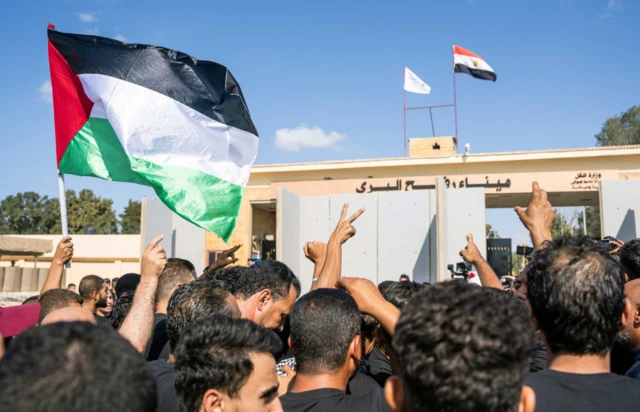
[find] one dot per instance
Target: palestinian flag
(153, 116)
(465, 61)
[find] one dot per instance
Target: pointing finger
(356, 215)
(345, 207)
(235, 248)
(155, 242)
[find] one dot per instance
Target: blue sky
(563, 67)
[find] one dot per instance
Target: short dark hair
(230, 276)
(107, 281)
(403, 276)
(193, 301)
(120, 311)
(89, 285)
(55, 299)
(399, 293)
(63, 366)
(323, 325)
(71, 284)
(127, 284)
(214, 354)
(268, 274)
(176, 271)
(30, 299)
(630, 258)
(463, 348)
(576, 292)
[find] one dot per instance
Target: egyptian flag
(153, 116)
(465, 61)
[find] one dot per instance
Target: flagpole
(455, 99)
(404, 111)
(433, 130)
(63, 210)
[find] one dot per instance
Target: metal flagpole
(433, 130)
(404, 111)
(455, 101)
(63, 210)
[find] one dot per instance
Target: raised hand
(538, 217)
(471, 253)
(154, 259)
(64, 251)
(345, 230)
(315, 251)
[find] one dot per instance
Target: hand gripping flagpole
(63, 211)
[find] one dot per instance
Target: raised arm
(332, 268)
(471, 254)
(63, 254)
(316, 252)
(370, 301)
(138, 325)
(538, 217)
(226, 258)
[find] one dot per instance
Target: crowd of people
(564, 337)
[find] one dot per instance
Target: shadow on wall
(627, 230)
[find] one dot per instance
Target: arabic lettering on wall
(411, 185)
(586, 181)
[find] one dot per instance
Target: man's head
(107, 281)
(114, 282)
(325, 333)
(266, 292)
(576, 295)
(64, 366)
(93, 289)
(227, 365)
(630, 259)
(57, 299)
(177, 272)
(404, 278)
(398, 294)
(462, 348)
(127, 285)
(120, 311)
(197, 300)
(30, 300)
(69, 314)
(71, 287)
(630, 334)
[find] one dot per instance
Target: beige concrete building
(571, 176)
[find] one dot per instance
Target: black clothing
(621, 358)
(634, 371)
(567, 392)
(538, 355)
(165, 377)
(166, 351)
(334, 400)
(159, 338)
(361, 384)
(378, 366)
(102, 321)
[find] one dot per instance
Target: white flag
(414, 84)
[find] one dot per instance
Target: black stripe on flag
(207, 87)
(478, 74)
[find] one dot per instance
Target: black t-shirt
(159, 338)
(567, 392)
(634, 370)
(165, 380)
(378, 366)
(102, 321)
(334, 400)
(538, 355)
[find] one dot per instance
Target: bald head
(629, 336)
(632, 291)
(69, 314)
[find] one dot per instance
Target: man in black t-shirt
(629, 337)
(576, 294)
(93, 292)
(177, 272)
(328, 351)
(188, 303)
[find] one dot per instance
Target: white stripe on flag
(469, 62)
(152, 126)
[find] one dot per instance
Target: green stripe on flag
(203, 199)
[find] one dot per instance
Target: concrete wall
(620, 209)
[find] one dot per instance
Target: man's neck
(305, 383)
(579, 364)
(161, 306)
(247, 309)
(90, 306)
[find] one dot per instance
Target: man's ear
(177, 286)
(628, 314)
(527, 400)
(355, 349)
(212, 401)
(264, 298)
(394, 394)
(289, 343)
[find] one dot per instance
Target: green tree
(26, 213)
(491, 233)
(593, 222)
(621, 130)
(86, 210)
(130, 218)
(564, 225)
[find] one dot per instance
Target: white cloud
(120, 37)
(87, 17)
(292, 140)
(92, 30)
(612, 7)
(45, 91)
